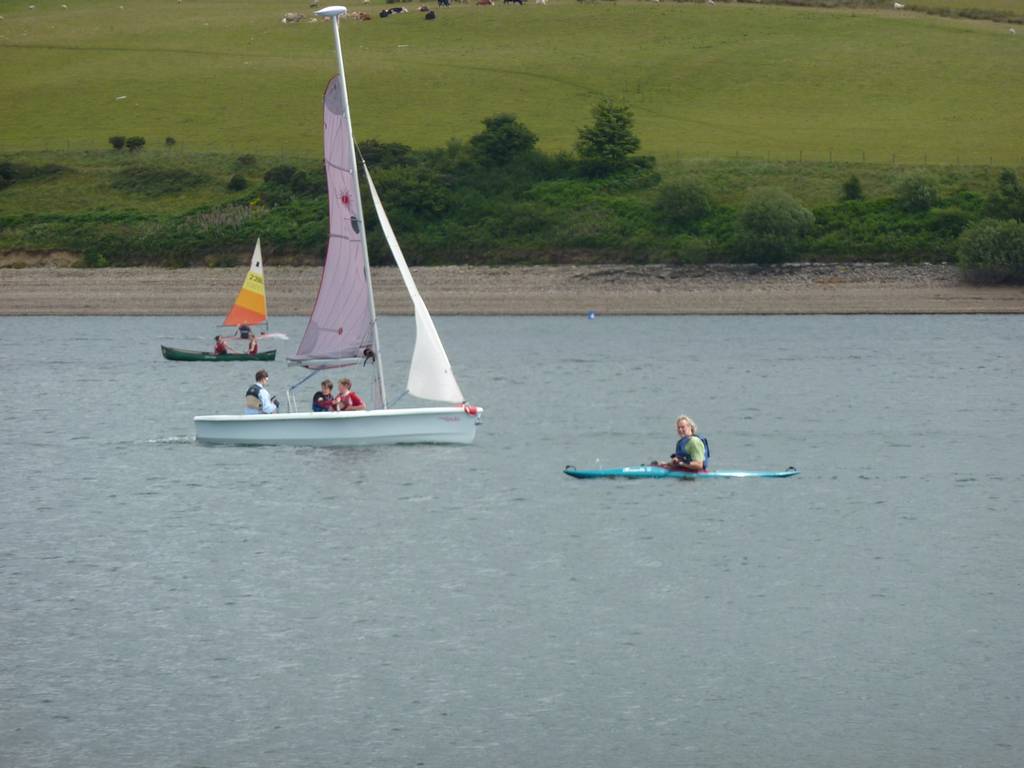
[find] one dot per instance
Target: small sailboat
(249, 309)
(342, 328)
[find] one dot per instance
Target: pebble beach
(535, 290)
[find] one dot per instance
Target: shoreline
(613, 289)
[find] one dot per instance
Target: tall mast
(334, 12)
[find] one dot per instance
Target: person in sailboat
(244, 331)
(692, 450)
(347, 400)
(254, 348)
(257, 398)
(220, 347)
(324, 399)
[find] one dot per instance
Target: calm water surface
(169, 604)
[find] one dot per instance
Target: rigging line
(392, 403)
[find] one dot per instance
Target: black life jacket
(252, 396)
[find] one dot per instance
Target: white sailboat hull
(382, 427)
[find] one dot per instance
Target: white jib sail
(430, 372)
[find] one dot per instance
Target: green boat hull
(195, 356)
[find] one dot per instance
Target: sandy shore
(613, 289)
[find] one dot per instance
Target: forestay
(341, 324)
(430, 372)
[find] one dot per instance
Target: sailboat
(342, 327)
(249, 309)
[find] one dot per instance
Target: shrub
(992, 251)
(917, 194)
(1007, 202)
(117, 142)
(275, 196)
(412, 191)
(503, 138)
(280, 174)
(93, 260)
(379, 154)
(948, 221)
(169, 141)
(302, 183)
(237, 183)
(852, 189)
(770, 225)
(134, 143)
(684, 204)
(246, 161)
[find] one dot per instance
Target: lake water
(169, 604)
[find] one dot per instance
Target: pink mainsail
(341, 324)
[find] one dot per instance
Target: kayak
(655, 472)
(194, 356)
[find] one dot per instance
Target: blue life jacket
(682, 454)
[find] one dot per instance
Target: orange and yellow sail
(251, 303)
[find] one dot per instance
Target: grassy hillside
(704, 81)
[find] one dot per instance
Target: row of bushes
(648, 221)
(12, 172)
(497, 199)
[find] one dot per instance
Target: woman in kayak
(692, 451)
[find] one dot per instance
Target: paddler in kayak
(692, 451)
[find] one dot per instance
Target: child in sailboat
(347, 400)
(324, 399)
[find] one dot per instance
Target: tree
(502, 139)
(135, 143)
(117, 142)
(605, 147)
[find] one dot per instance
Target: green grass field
(704, 81)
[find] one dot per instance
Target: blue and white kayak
(655, 472)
